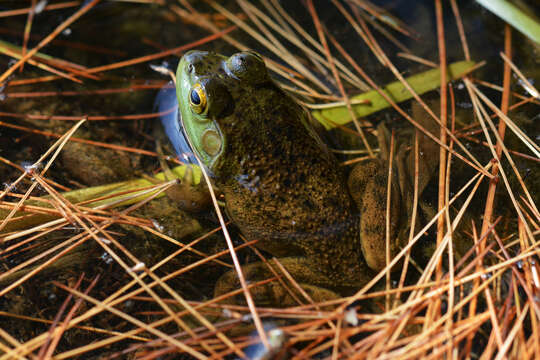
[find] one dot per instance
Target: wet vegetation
(105, 252)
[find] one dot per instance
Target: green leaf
(521, 18)
(89, 193)
(421, 83)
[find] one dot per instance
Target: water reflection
(172, 124)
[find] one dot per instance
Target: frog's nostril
(195, 60)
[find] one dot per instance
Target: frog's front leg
(189, 196)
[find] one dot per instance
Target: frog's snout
(199, 63)
(192, 59)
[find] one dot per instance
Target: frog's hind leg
(279, 292)
(368, 187)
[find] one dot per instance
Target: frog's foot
(190, 197)
(276, 293)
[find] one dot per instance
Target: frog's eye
(197, 99)
(248, 66)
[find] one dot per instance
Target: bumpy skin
(280, 183)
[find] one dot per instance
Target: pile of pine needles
(483, 304)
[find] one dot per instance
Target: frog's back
(283, 186)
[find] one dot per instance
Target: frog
(280, 183)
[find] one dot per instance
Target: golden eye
(197, 99)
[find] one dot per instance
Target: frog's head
(207, 89)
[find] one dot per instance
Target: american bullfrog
(280, 183)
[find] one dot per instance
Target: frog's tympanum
(280, 183)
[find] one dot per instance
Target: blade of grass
(421, 83)
(523, 21)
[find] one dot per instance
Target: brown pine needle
(47, 39)
(49, 7)
(330, 59)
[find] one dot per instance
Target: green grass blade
(519, 18)
(421, 83)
